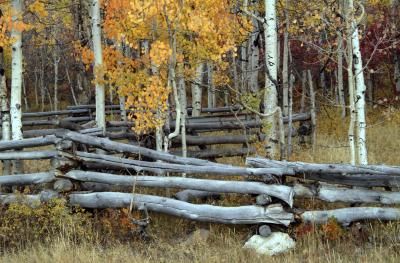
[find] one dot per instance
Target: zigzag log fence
(91, 179)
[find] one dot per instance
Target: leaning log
(204, 213)
(26, 179)
(348, 195)
(348, 215)
(282, 192)
(301, 167)
(109, 145)
(161, 168)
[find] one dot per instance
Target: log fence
(104, 180)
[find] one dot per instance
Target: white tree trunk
(211, 88)
(16, 79)
(271, 76)
(183, 104)
(197, 91)
(360, 94)
(98, 62)
(5, 111)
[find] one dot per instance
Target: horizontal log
(34, 155)
(219, 153)
(203, 213)
(224, 139)
(53, 113)
(161, 168)
(332, 194)
(302, 167)
(27, 143)
(348, 215)
(282, 192)
(27, 179)
(42, 132)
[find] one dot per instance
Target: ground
(368, 242)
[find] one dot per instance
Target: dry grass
(225, 243)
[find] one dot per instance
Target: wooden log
(109, 145)
(160, 168)
(27, 179)
(27, 143)
(42, 132)
(204, 213)
(348, 215)
(53, 113)
(301, 167)
(34, 155)
(282, 192)
(189, 195)
(332, 194)
(218, 153)
(225, 139)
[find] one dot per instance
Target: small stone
(264, 231)
(276, 243)
(263, 199)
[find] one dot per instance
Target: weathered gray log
(282, 192)
(63, 185)
(263, 200)
(348, 215)
(218, 153)
(109, 145)
(340, 194)
(34, 155)
(27, 179)
(30, 200)
(27, 143)
(189, 195)
(160, 167)
(54, 122)
(53, 113)
(301, 167)
(205, 213)
(264, 230)
(42, 132)
(225, 139)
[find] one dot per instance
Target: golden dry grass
(225, 242)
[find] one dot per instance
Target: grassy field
(376, 242)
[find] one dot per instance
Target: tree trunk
(197, 90)
(5, 109)
(98, 61)
(271, 76)
(340, 85)
(16, 79)
(285, 69)
(360, 92)
(312, 111)
(254, 57)
(211, 88)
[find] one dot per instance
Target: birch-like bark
(5, 110)
(360, 93)
(16, 79)
(211, 88)
(197, 91)
(183, 105)
(243, 68)
(98, 63)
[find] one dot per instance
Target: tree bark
(197, 91)
(273, 214)
(98, 61)
(16, 79)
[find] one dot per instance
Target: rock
(263, 200)
(276, 243)
(264, 231)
